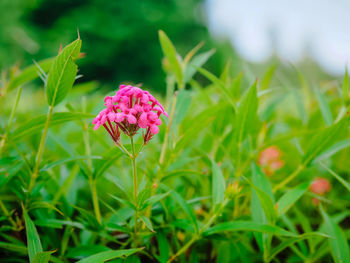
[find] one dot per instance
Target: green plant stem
(41, 150)
(166, 136)
(95, 199)
(7, 214)
(12, 115)
(289, 178)
(133, 160)
(197, 236)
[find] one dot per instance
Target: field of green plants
(245, 168)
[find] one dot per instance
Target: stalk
(133, 160)
(41, 149)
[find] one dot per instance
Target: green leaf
(218, 83)
(266, 79)
(263, 190)
(247, 226)
(338, 243)
(37, 124)
(154, 199)
(290, 241)
(62, 73)
(29, 73)
(246, 117)
(163, 246)
(324, 107)
(14, 248)
(324, 139)
(333, 150)
(218, 185)
(123, 201)
(147, 222)
(290, 198)
(108, 255)
(197, 62)
(345, 86)
(169, 52)
(42, 257)
(345, 183)
(33, 240)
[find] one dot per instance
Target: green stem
(95, 199)
(133, 160)
(41, 150)
(289, 178)
(12, 115)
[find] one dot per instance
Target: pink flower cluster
(130, 109)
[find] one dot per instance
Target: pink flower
(320, 186)
(270, 160)
(130, 109)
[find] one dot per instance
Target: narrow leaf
(290, 198)
(324, 139)
(324, 107)
(247, 226)
(338, 243)
(29, 73)
(33, 240)
(246, 117)
(218, 184)
(170, 53)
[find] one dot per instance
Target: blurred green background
(120, 37)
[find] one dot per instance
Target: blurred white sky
(291, 28)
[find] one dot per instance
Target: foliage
(203, 192)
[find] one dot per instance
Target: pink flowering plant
(242, 169)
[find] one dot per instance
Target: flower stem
(41, 150)
(133, 160)
(95, 199)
